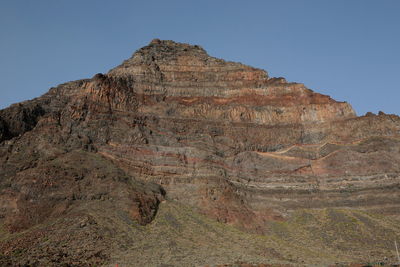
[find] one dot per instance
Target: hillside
(177, 158)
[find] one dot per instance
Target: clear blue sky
(348, 49)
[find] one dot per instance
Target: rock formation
(174, 139)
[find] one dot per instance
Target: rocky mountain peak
(189, 143)
(159, 51)
(158, 47)
(195, 84)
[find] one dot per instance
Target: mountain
(177, 158)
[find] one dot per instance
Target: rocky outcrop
(174, 123)
(19, 119)
(179, 80)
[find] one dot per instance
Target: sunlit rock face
(182, 81)
(174, 123)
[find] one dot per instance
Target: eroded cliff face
(174, 80)
(174, 123)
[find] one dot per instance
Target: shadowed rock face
(172, 122)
